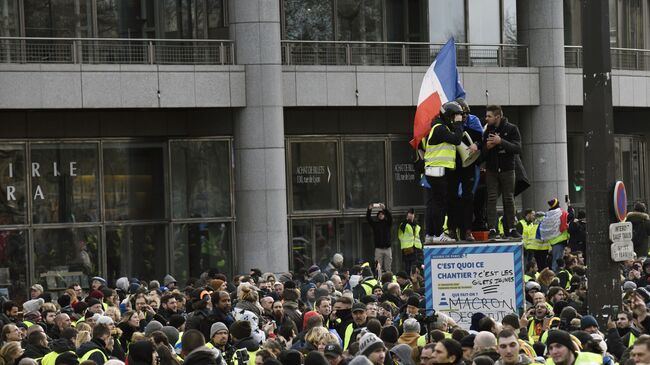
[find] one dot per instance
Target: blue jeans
(557, 252)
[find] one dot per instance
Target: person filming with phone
(381, 233)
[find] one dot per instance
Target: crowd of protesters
(323, 315)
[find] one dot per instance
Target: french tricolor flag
(439, 85)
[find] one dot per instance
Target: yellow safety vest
(631, 340)
(50, 357)
(564, 236)
(501, 230)
(368, 285)
(409, 238)
(441, 154)
(28, 323)
(529, 236)
(88, 354)
(583, 358)
(568, 281)
(251, 357)
(347, 337)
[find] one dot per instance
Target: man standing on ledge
(381, 233)
(501, 142)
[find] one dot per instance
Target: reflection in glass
(324, 241)
(193, 19)
(348, 231)
(630, 162)
(509, 22)
(136, 251)
(134, 185)
(8, 19)
(199, 247)
(407, 191)
(13, 265)
(446, 20)
(576, 164)
(65, 182)
(12, 184)
(65, 255)
(125, 19)
(58, 18)
(301, 244)
(359, 20)
(484, 27)
(572, 23)
(314, 175)
(309, 20)
(201, 179)
(364, 173)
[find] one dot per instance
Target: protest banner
(461, 280)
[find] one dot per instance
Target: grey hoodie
(403, 354)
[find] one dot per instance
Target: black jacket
(381, 229)
(33, 352)
(641, 230)
(96, 356)
(202, 356)
(201, 320)
(502, 157)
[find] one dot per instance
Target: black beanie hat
(92, 301)
(413, 301)
(290, 357)
(389, 334)
(560, 337)
(67, 358)
(512, 320)
(64, 300)
(241, 329)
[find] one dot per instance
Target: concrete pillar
(261, 187)
(540, 25)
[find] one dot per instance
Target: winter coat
(502, 157)
(97, 357)
(641, 230)
(202, 356)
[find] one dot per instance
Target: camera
(427, 319)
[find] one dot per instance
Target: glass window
(324, 240)
(314, 176)
(301, 245)
(484, 27)
(200, 179)
(364, 173)
(12, 184)
(136, 251)
(125, 19)
(64, 256)
(446, 20)
(134, 186)
(65, 182)
(309, 20)
(509, 22)
(349, 240)
(190, 19)
(572, 23)
(407, 191)
(13, 265)
(630, 162)
(58, 18)
(360, 20)
(202, 246)
(8, 18)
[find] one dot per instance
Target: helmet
(450, 109)
(463, 104)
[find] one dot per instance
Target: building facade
(141, 138)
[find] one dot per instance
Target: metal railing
(399, 53)
(116, 51)
(622, 58)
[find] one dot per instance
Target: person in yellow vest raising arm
(439, 156)
(408, 233)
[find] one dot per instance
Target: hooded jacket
(404, 353)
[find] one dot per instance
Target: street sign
(620, 231)
(622, 251)
(620, 201)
